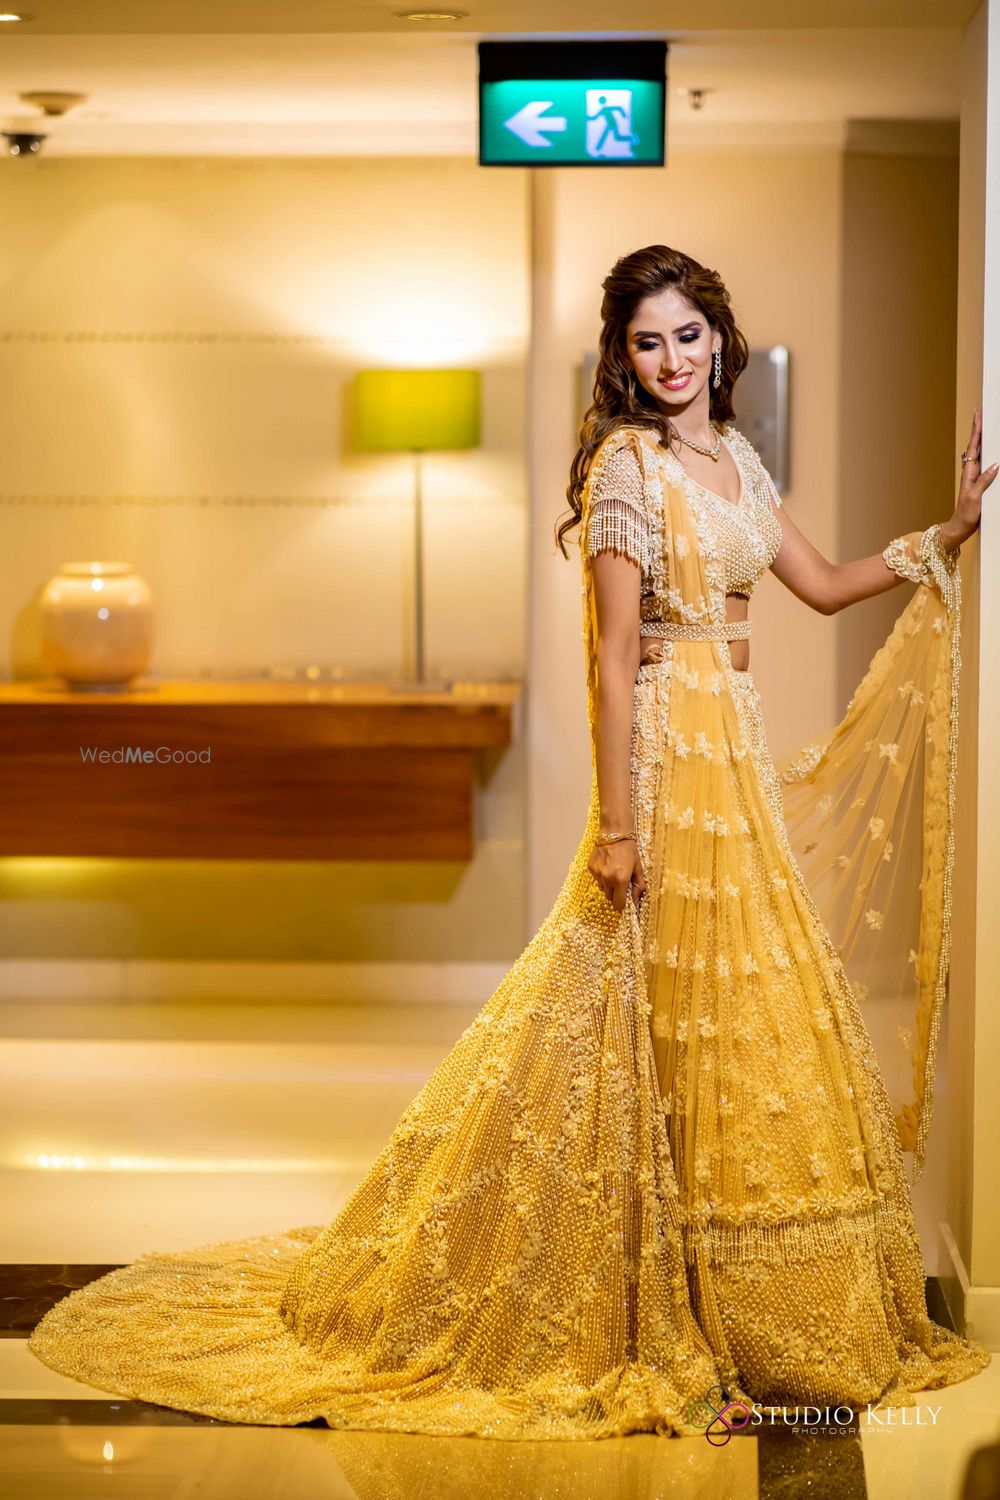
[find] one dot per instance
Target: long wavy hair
(619, 399)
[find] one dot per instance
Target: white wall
(970, 1224)
(770, 221)
(177, 338)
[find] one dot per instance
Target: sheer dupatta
(870, 817)
(869, 809)
(625, 523)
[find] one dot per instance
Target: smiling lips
(678, 383)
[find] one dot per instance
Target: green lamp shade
(416, 409)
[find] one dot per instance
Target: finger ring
(965, 459)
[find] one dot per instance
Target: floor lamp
(417, 411)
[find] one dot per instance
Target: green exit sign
(572, 103)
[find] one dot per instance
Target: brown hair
(619, 399)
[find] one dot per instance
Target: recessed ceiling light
(431, 15)
(10, 15)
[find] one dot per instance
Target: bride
(662, 1158)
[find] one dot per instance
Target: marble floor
(187, 1124)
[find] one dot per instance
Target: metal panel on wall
(761, 402)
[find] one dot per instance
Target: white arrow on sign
(527, 125)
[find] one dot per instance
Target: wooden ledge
(246, 769)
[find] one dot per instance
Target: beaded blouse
(741, 538)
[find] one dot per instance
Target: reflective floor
(180, 1134)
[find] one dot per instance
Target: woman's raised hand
(614, 867)
(975, 483)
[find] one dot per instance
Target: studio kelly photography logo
(135, 755)
(722, 1417)
(719, 1416)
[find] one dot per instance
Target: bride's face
(669, 340)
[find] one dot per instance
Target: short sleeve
(616, 520)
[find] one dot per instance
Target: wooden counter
(272, 770)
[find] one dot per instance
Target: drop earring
(717, 368)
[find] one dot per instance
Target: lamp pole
(417, 411)
(418, 549)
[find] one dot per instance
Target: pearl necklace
(708, 452)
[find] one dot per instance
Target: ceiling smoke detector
(22, 137)
(52, 104)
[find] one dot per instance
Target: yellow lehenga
(662, 1156)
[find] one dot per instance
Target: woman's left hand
(975, 483)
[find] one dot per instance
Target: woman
(662, 1156)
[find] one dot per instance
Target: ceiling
(485, 17)
(200, 86)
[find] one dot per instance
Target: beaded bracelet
(614, 838)
(914, 560)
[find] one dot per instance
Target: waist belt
(680, 630)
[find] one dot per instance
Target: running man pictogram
(613, 109)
